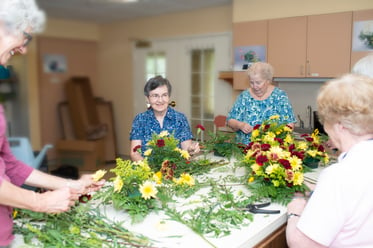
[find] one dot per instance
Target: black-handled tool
(257, 209)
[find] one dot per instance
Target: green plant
(223, 144)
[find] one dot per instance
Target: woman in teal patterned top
(259, 102)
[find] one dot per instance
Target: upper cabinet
(287, 40)
(310, 46)
(358, 16)
(252, 33)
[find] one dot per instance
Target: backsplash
(302, 94)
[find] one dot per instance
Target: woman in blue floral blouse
(259, 102)
(159, 117)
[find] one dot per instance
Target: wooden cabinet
(276, 240)
(287, 46)
(253, 33)
(362, 15)
(310, 46)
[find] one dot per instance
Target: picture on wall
(362, 37)
(54, 63)
(245, 55)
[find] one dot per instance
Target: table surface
(169, 233)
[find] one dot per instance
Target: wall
(115, 63)
(59, 29)
(244, 10)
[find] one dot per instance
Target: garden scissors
(256, 209)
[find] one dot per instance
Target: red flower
(257, 126)
(136, 148)
(285, 163)
(199, 126)
(261, 159)
(160, 143)
(265, 147)
(85, 198)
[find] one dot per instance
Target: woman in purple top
(159, 117)
(18, 19)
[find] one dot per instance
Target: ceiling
(105, 11)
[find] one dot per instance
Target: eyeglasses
(156, 96)
(28, 38)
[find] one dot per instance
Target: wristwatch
(290, 215)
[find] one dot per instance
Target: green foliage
(83, 226)
(223, 144)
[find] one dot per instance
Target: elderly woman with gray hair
(339, 213)
(19, 19)
(258, 103)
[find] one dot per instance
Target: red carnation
(265, 147)
(309, 139)
(199, 126)
(257, 126)
(160, 143)
(136, 148)
(261, 159)
(285, 163)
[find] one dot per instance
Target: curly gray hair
(19, 15)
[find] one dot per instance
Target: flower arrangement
(275, 166)
(311, 149)
(163, 149)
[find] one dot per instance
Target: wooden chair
(220, 123)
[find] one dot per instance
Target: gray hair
(19, 15)
(364, 66)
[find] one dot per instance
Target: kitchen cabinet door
(328, 44)
(253, 33)
(361, 15)
(287, 46)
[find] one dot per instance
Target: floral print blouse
(145, 124)
(248, 109)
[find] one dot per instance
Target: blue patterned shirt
(145, 124)
(252, 111)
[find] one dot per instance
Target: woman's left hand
(85, 184)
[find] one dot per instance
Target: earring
(147, 105)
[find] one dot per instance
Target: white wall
(302, 94)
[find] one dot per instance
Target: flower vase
(310, 162)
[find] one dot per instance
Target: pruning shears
(257, 209)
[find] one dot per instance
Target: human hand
(246, 128)
(194, 148)
(57, 201)
(86, 184)
(297, 205)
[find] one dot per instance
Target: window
(155, 64)
(202, 90)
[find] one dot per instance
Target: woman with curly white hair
(19, 20)
(339, 212)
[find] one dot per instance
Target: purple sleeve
(16, 170)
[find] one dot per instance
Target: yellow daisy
(148, 190)
(118, 184)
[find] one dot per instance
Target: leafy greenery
(83, 227)
(223, 144)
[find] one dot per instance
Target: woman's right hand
(56, 201)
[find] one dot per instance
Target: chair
(22, 150)
(220, 123)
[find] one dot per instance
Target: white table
(169, 233)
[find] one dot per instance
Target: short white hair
(19, 15)
(364, 66)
